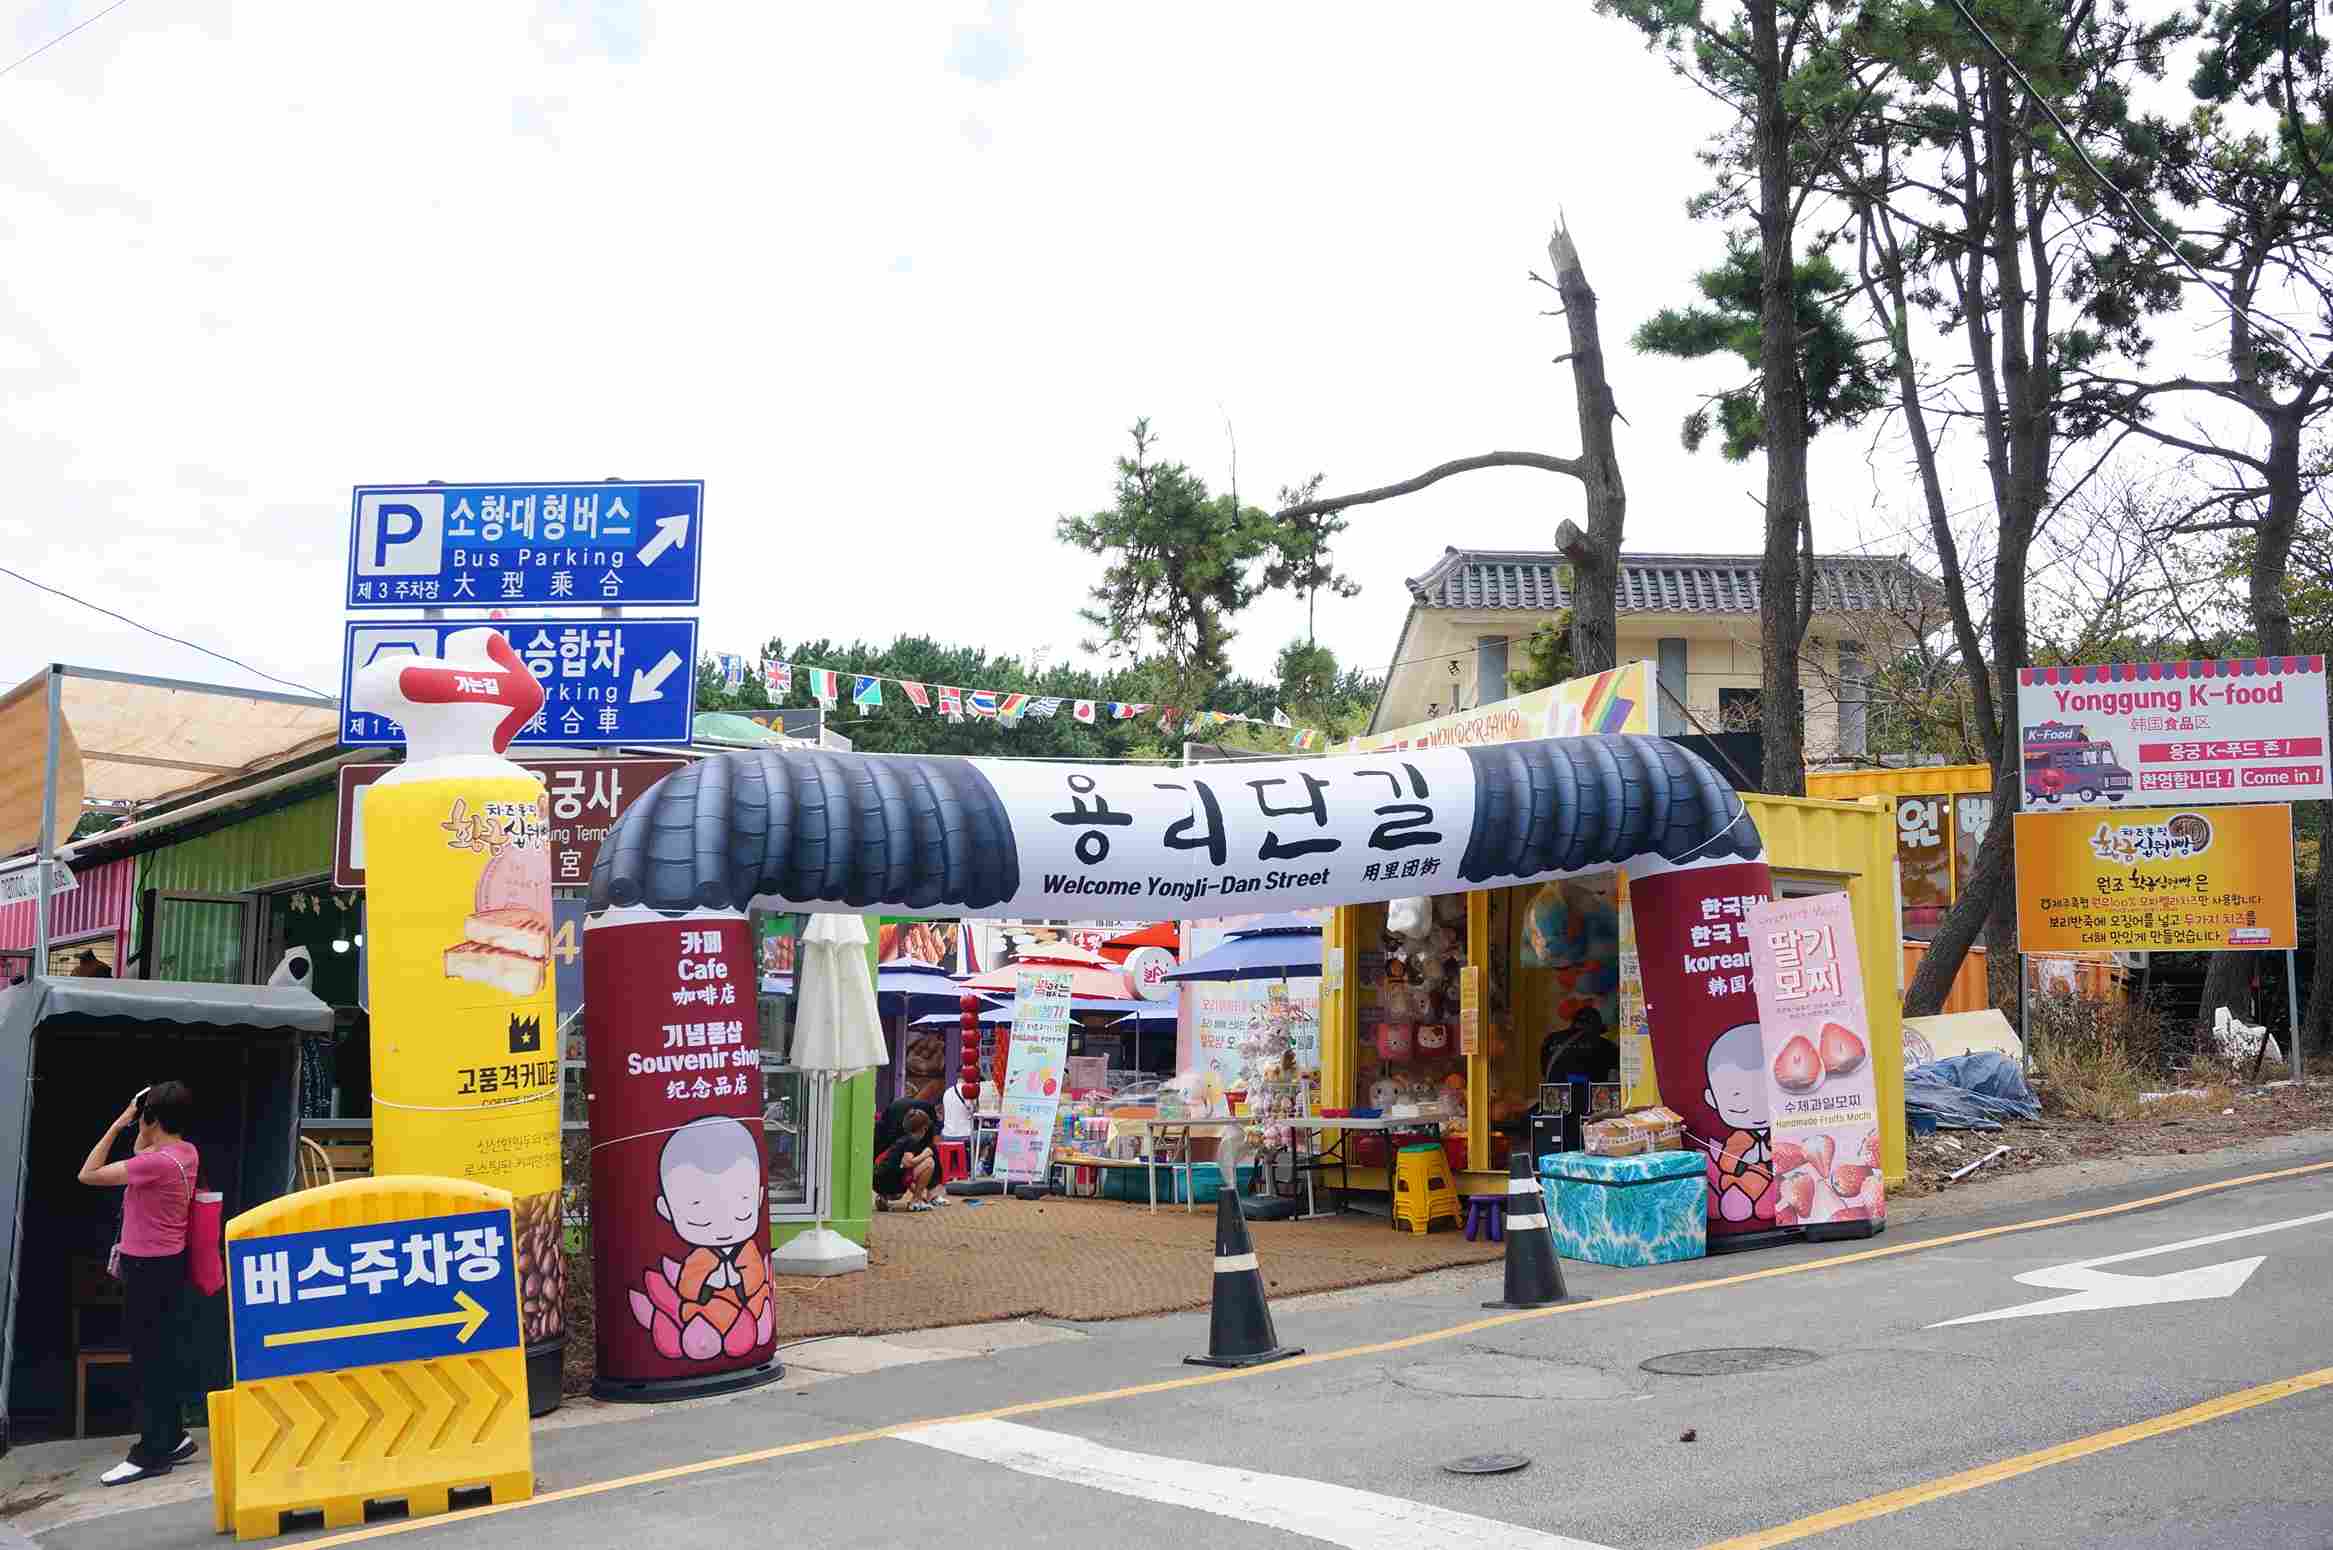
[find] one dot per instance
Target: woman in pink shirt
(158, 1180)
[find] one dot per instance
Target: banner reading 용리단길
(2163, 879)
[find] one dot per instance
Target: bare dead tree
(1593, 552)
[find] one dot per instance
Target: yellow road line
(1312, 1359)
(2026, 1463)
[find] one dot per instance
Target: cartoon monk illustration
(718, 1299)
(1741, 1179)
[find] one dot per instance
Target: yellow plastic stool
(1422, 1190)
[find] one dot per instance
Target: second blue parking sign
(604, 680)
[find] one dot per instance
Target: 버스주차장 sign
(532, 545)
(604, 680)
(2162, 879)
(587, 796)
(2248, 730)
(372, 1294)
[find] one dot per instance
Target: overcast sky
(892, 279)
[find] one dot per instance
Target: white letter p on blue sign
(400, 534)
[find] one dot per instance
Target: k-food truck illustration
(2062, 759)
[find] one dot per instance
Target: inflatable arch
(824, 832)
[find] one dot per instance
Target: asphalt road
(1107, 1439)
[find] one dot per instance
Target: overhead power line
(175, 640)
(62, 36)
(2274, 325)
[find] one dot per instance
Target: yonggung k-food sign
(2251, 729)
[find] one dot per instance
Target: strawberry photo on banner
(1821, 1089)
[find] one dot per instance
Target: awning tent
(78, 737)
(238, 1045)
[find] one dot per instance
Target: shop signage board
(2248, 730)
(584, 545)
(1619, 700)
(2164, 879)
(604, 680)
(368, 1295)
(23, 884)
(587, 796)
(1470, 1010)
(1035, 1068)
(679, 1160)
(1815, 1032)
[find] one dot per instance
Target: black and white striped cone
(1534, 1274)
(1239, 1330)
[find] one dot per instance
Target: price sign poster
(1816, 1032)
(2159, 879)
(1034, 1070)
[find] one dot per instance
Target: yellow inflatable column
(464, 1019)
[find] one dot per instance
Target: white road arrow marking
(2090, 1288)
(671, 533)
(649, 685)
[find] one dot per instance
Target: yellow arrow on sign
(467, 1312)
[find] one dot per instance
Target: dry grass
(2089, 1056)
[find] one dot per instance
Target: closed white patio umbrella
(837, 1031)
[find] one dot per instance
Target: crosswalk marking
(1333, 1514)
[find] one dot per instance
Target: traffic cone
(1239, 1329)
(1534, 1274)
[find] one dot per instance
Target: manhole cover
(1724, 1360)
(1487, 1464)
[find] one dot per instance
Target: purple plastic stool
(1489, 1213)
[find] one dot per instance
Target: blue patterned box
(1642, 1210)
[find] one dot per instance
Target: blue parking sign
(605, 681)
(526, 545)
(372, 1294)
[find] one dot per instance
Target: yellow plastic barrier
(379, 1367)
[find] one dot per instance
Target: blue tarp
(1967, 1092)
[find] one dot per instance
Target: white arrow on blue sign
(528, 545)
(604, 680)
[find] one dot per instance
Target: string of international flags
(830, 686)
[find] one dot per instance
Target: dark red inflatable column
(679, 1172)
(1695, 958)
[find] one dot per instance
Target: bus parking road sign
(527, 545)
(372, 1294)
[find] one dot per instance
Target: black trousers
(153, 1298)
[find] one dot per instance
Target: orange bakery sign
(2163, 879)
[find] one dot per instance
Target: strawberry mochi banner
(1816, 1064)
(680, 1217)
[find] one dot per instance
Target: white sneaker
(184, 1451)
(126, 1473)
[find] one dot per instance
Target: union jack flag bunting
(778, 679)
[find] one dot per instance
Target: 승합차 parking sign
(2251, 729)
